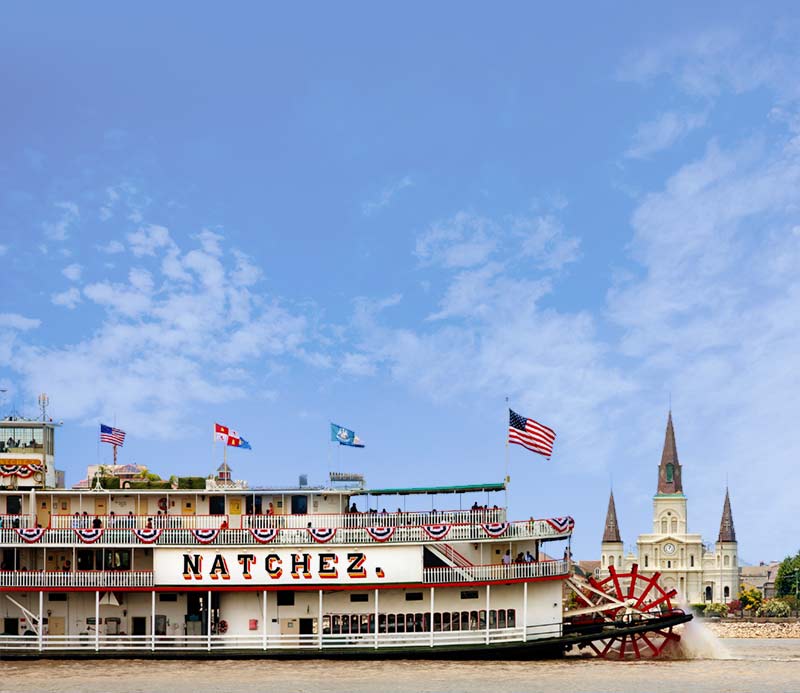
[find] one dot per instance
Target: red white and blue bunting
(147, 536)
(23, 471)
(495, 529)
(263, 536)
(561, 524)
(322, 534)
(31, 534)
(88, 536)
(436, 531)
(380, 533)
(205, 536)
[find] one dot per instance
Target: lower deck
(279, 622)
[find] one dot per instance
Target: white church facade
(699, 574)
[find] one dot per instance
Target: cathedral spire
(611, 532)
(669, 471)
(727, 532)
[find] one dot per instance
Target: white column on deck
(319, 621)
(376, 619)
(524, 612)
(208, 623)
(433, 606)
(153, 620)
(97, 620)
(488, 593)
(264, 619)
(41, 627)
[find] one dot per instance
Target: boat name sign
(311, 566)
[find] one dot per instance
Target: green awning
(421, 490)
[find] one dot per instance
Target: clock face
(669, 548)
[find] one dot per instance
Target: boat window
(391, 623)
(444, 621)
(216, 505)
(57, 596)
(465, 620)
(359, 597)
(355, 622)
(371, 627)
(382, 623)
(167, 597)
(14, 505)
(336, 626)
(501, 618)
(401, 623)
(492, 619)
(482, 620)
(469, 594)
(512, 618)
(326, 625)
(299, 505)
(473, 620)
(455, 621)
(345, 625)
(285, 598)
(413, 596)
(410, 623)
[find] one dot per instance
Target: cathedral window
(664, 526)
(645, 560)
(674, 524)
(603, 560)
(670, 473)
(691, 560)
(727, 592)
(727, 561)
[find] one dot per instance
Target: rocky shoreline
(772, 628)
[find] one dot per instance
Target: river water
(729, 665)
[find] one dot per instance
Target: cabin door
(100, 506)
(299, 505)
(55, 625)
(43, 511)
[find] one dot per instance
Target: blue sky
(395, 218)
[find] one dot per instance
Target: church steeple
(727, 532)
(611, 532)
(669, 471)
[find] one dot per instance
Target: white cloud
(59, 230)
(357, 364)
(544, 239)
(72, 272)
(148, 239)
(111, 248)
(15, 321)
(465, 240)
(164, 338)
(385, 197)
(662, 132)
(69, 298)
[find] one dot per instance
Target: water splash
(698, 642)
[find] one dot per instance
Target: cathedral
(698, 573)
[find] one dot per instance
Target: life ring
(222, 627)
(162, 504)
(38, 477)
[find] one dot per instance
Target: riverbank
(775, 628)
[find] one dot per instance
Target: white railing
(535, 529)
(91, 641)
(86, 521)
(80, 578)
(495, 573)
(20, 521)
(374, 519)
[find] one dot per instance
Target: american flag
(530, 434)
(111, 435)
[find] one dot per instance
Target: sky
(404, 220)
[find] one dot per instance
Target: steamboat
(128, 566)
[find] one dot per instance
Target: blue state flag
(344, 436)
(244, 444)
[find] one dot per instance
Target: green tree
(788, 580)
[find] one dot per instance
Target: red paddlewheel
(630, 599)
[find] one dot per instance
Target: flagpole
(506, 479)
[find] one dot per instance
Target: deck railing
(357, 520)
(532, 529)
(79, 578)
(20, 521)
(495, 573)
(99, 642)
